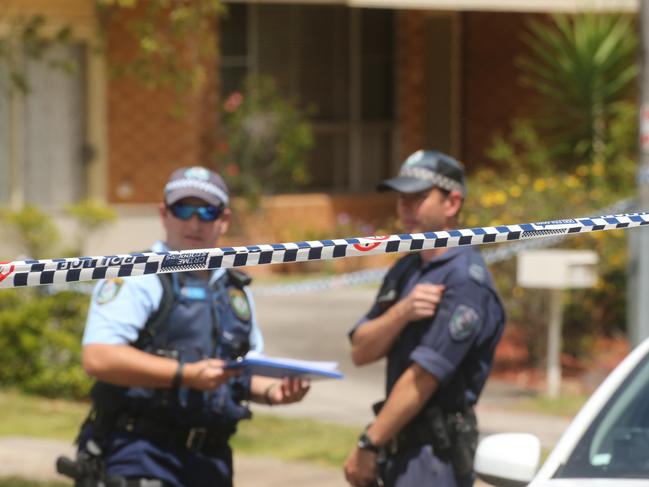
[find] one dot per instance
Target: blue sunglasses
(206, 213)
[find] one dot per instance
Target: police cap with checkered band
(424, 170)
(198, 182)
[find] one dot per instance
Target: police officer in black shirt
(437, 320)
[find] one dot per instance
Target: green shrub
(580, 67)
(533, 188)
(267, 141)
(90, 216)
(40, 336)
(33, 229)
(40, 332)
(576, 156)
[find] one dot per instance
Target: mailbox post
(556, 270)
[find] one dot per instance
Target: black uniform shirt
(457, 344)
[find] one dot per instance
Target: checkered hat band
(200, 185)
(435, 178)
(60, 271)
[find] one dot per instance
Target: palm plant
(581, 68)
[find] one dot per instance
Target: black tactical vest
(195, 320)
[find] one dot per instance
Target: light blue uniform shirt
(121, 307)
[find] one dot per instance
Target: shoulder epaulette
(239, 278)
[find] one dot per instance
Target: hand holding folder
(285, 367)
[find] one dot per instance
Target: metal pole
(638, 310)
(554, 345)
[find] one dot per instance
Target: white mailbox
(557, 269)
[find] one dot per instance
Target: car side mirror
(508, 459)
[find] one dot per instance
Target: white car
(606, 445)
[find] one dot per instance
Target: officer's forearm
(127, 366)
(260, 388)
(374, 339)
(408, 397)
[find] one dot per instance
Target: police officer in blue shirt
(437, 320)
(164, 406)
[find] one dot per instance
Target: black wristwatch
(364, 443)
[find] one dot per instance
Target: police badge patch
(240, 305)
(109, 290)
(464, 322)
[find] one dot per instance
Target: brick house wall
(146, 139)
(146, 142)
(491, 92)
(316, 216)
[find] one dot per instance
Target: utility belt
(452, 435)
(209, 441)
(88, 469)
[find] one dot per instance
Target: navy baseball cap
(197, 182)
(424, 170)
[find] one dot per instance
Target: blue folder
(281, 367)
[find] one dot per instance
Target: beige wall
(80, 14)
(81, 17)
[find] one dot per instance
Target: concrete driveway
(314, 326)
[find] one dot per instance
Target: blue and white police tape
(372, 276)
(59, 271)
(505, 252)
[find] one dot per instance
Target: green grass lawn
(285, 438)
(24, 415)
(17, 482)
(295, 439)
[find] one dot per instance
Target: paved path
(312, 326)
(33, 458)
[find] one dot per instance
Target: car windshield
(617, 443)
